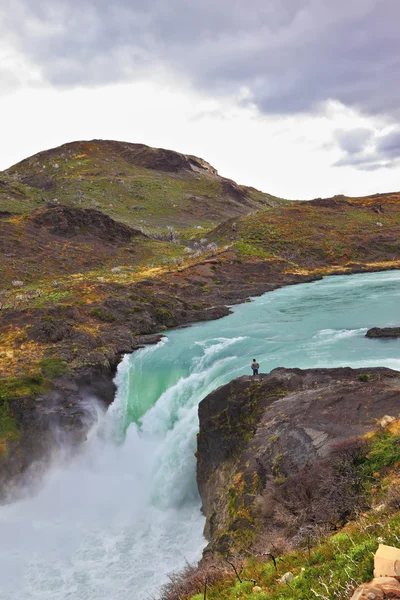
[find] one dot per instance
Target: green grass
(28, 386)
(336, 564)
(53, 298)
(384, 453)
(53, 367)
(332, 569)
(8, 423)
(17, 198)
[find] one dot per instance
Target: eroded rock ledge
(257, 434)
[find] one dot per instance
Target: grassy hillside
(320, 236)
(137, 185)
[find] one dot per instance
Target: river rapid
(114, 521)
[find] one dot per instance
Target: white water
(125, 512)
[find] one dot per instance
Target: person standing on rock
(255, 366)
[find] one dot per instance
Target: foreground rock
(269, 446)
(386, 576)
(387, 561)
(385, 332)
(380, 587)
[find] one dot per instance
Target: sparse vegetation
(27, 386)
(163, 315)
(7, 422)
(297, 233)
(326, 565)
(102, 314)
(53, 367)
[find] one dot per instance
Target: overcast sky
(300, 98)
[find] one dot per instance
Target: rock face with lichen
(274, 437)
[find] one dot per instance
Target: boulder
(384, 332)
(286, 578)
(380, 587)
(386, 420)
(387, 562)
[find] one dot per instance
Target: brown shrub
(190, 581)
(393, 497)
(272, 542)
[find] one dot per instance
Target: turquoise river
(114, 521)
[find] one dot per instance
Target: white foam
(333, 335)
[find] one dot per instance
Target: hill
(320, 236)
(132, 183)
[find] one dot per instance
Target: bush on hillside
(191, 580)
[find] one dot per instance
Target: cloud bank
(289, 57)
(368, 150)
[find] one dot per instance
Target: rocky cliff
(278, 452)
(133, 183)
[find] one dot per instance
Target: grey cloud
(366, 151)
(292, 55)
(353, 141)
(363, 163)
(389, 145)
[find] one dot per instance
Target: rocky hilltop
(277, 453)
(132, 183)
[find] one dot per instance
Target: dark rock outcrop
(159, 159)
(337, 202)
(53, 423)
(66, 221)
(258, 433)
(384, 332)
(40, 181)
